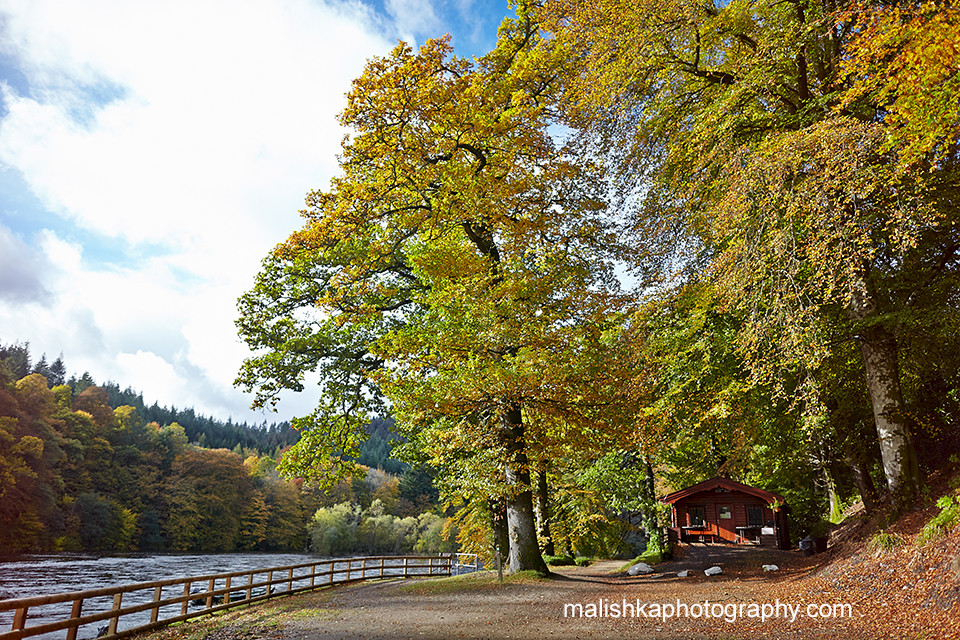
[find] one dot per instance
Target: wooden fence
(177, 599)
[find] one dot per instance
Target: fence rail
(466, 563)
(217, 592)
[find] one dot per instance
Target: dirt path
(581, 603)
(575, 603)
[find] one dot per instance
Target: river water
(36, 575)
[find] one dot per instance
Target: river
(36, 575)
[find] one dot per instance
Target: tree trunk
(543, 511)
(498, 521)
(650, 520)
(524, 552)
(868, 493)
(882, 371)
(833, 498)
(851, 444)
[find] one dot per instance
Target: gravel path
(532, 609)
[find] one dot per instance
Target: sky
(153, 152)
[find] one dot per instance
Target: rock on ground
(640, 568)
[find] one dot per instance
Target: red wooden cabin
(719, 509)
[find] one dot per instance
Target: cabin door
(725, 521)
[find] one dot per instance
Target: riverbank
(576, 602)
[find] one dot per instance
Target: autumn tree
(459, 268)
(15, 360)
(905, 56)
(77, 474)
(744, 159)
(19, 457)
(209, 500)
(29, 508)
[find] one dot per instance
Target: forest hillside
(90, 467)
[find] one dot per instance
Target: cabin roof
(713, 483)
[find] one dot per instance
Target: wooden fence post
(117, 601)
(74, 614)
(186, 602)
(20, 619)
(155, 612)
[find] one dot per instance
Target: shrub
(651, 556)
(344, 529)
(431, 538)
(944, 522)
(380, 534)
(558, 561)
(883, 542)
(333, 530)
(583, 561)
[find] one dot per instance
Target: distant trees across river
(87, 467)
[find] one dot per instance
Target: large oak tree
(457, 270)
(739, 135)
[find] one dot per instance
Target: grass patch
(882, 543)
(651, 557)
(479, 581)
(204, 626)
(255, 620)
(312, 614)
(944, 522)
(194, 632)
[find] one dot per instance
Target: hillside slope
(901, 577)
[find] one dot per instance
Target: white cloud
(147, 370)
(223, 104)
(414, 18)
(222, 116)
(142, 328)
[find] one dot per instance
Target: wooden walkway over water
(150, 605)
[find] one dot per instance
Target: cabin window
(697, 515)
(726, 513)
(754, 516)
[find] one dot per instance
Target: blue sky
(152, 152)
